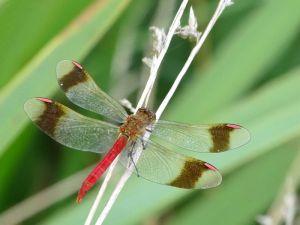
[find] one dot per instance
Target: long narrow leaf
(84, 32)
(244, 194)
(267, 132)
(242, 59)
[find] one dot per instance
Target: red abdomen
(102, 166)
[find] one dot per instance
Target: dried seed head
(147, 61)
(189, 31)
(159, 37)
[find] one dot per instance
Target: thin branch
(163, 15)
(118, 188)
(221, 6)
(157, 60)
(124, 102)
(143, 101)
(155, 63)
(126, 44)
(101, 192)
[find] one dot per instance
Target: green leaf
(242, 59)
(73, 43)
(267, 132)
(238, 65)
(250, 51)
(25, 33)
(243, 196)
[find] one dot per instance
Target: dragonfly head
(146, 115)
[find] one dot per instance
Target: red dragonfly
(159, 162)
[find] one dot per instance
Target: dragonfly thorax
(136, 124)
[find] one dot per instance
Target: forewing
(160, 165)
(200, 138)
(70, 128)
(81, 89)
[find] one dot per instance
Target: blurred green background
(248, 73)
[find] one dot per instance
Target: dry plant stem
(153, 71)
(221, 6)
(163, 15)
(101, 192)
(143, 101)
(118, 188)
(146, 93)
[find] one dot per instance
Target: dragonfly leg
(149, 130)
(130, 153)
(143, 144)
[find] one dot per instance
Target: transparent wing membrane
(81, 89)
(160, 165)
(70, 128)
(200, 138)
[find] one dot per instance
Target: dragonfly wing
(81, 89)
(200, 138)
(160, 165)
(70, 128)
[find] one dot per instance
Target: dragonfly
(162, 159)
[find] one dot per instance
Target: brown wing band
(47, 121)
(190, 174)
(75, 76)
(220, 135)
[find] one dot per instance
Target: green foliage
(251, 76)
